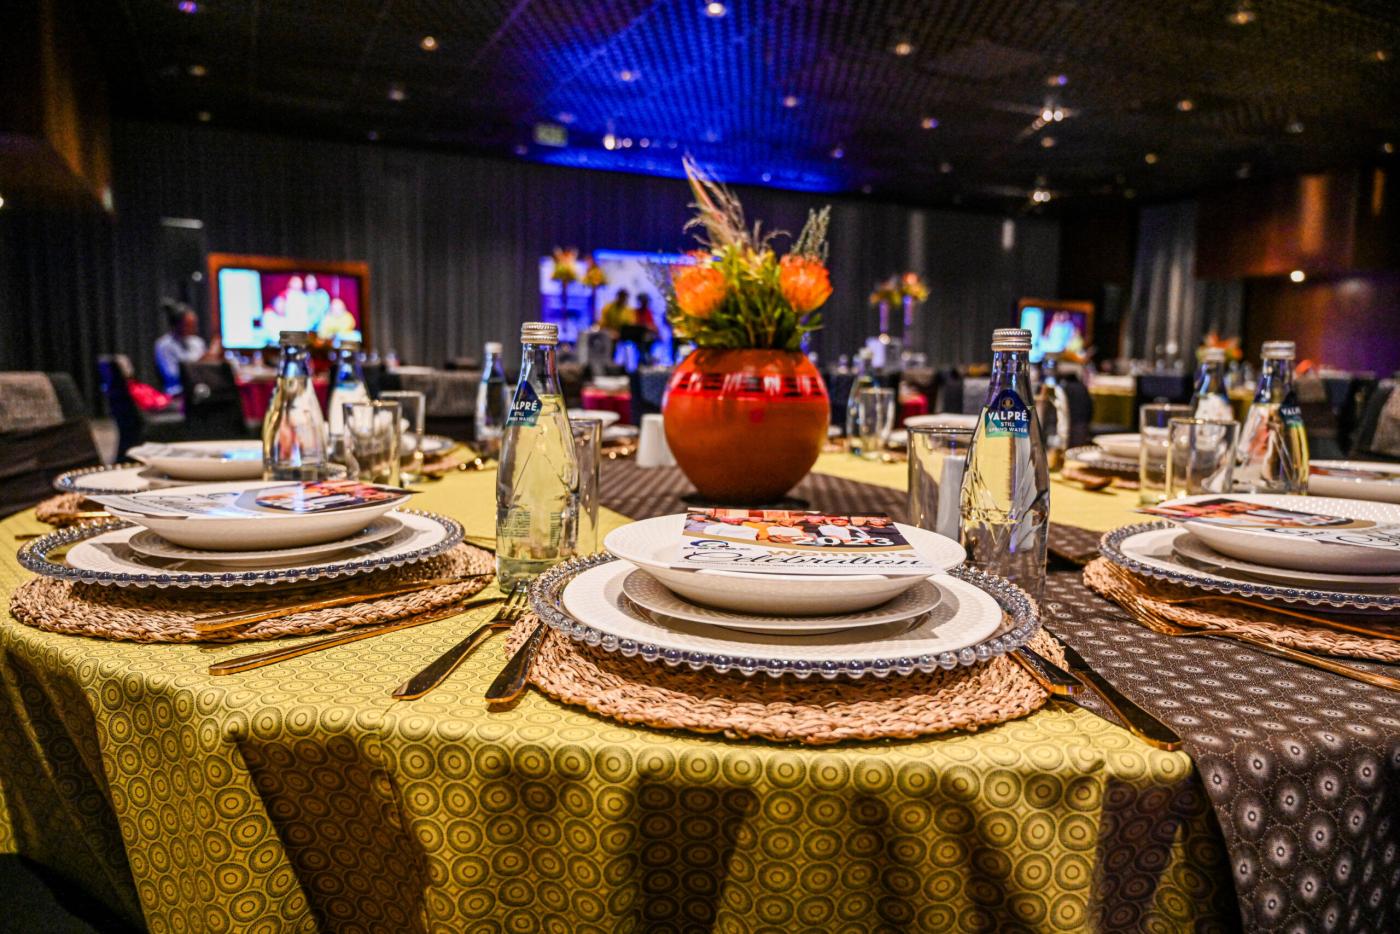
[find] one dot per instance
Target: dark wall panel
(453, 243)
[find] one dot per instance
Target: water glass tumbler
(414, 413)
(1200, 456)
(1155, 418)
(588, 449)
(371, 440)
(937, 459)
(874, 419)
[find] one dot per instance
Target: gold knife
(221, 621)
(249, 662)
(1138, 721)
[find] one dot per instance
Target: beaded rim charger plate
(1146, 549)
(981, 616)
(97, 553)
(114, 480)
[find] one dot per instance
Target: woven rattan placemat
(148, 614)
(1238, 618)
(63, 509)
(814, 711)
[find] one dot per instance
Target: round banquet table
(301, 797)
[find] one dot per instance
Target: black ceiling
(1159, 97)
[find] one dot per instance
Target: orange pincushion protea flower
(804, 282)
(700, 289)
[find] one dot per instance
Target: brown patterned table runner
(1302, 767)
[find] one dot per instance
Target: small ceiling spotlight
(1388, 148)
(428, 44)
(838, 153)
(790, 101)
(903, 49)
(1186, 105)
(1057, 81)
(1297, 275)
(609, 141)
(715, 10)
(187, 6)
(1242, 15)
(1047, 142)
(1041, 196)
(204, 116)
(627, 75)
(1150, 158)
(197, 71)
(397, 93)
(929, 123)
(1295, 126)
(945, 167)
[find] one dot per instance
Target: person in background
(643, 331)
(614, 316)
(318, 303)
(338, 321)
(294, 305)
(181, 343)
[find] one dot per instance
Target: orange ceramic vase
(746, 425)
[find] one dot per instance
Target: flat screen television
(1056, 326)
(253, 299)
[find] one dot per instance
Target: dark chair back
(31, 459)
(111, 382)
(210, 398)
(1370, 418)
(974, 394)
(1160, 387)
(648, 388)
(1081, 410)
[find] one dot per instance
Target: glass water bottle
(294, 432)
(1006, 487)
(349, 385)
(537, 484)
(1052, 410)
(864, 370)
(1273, 451)
(1212, 399)
(492, 403)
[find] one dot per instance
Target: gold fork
(1168, 627)
(446, 663)
(1126, 577)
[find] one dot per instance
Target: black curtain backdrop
(453, 244)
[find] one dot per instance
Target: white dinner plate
(605, 416)
(1192, 549)
(652, 544)
(99, 554)
(1122, 445)
(1149, 550)
(117, 479)
(965, 616)
(1374, 480)
(1291, 551)
(649, 593)
(206, 461)
(942, 420)
(152, 545)
(1102, 461)
(249, 532)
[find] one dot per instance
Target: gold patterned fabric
(301, 797)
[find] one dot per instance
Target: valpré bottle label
(1008, 417)
(525, 408)
(1290, 412)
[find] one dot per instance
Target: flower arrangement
(1231, 346)
(895, 289)
(565, 266)
(593, 275)
(738, 292)
(912, 287)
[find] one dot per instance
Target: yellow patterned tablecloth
(300, 797)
